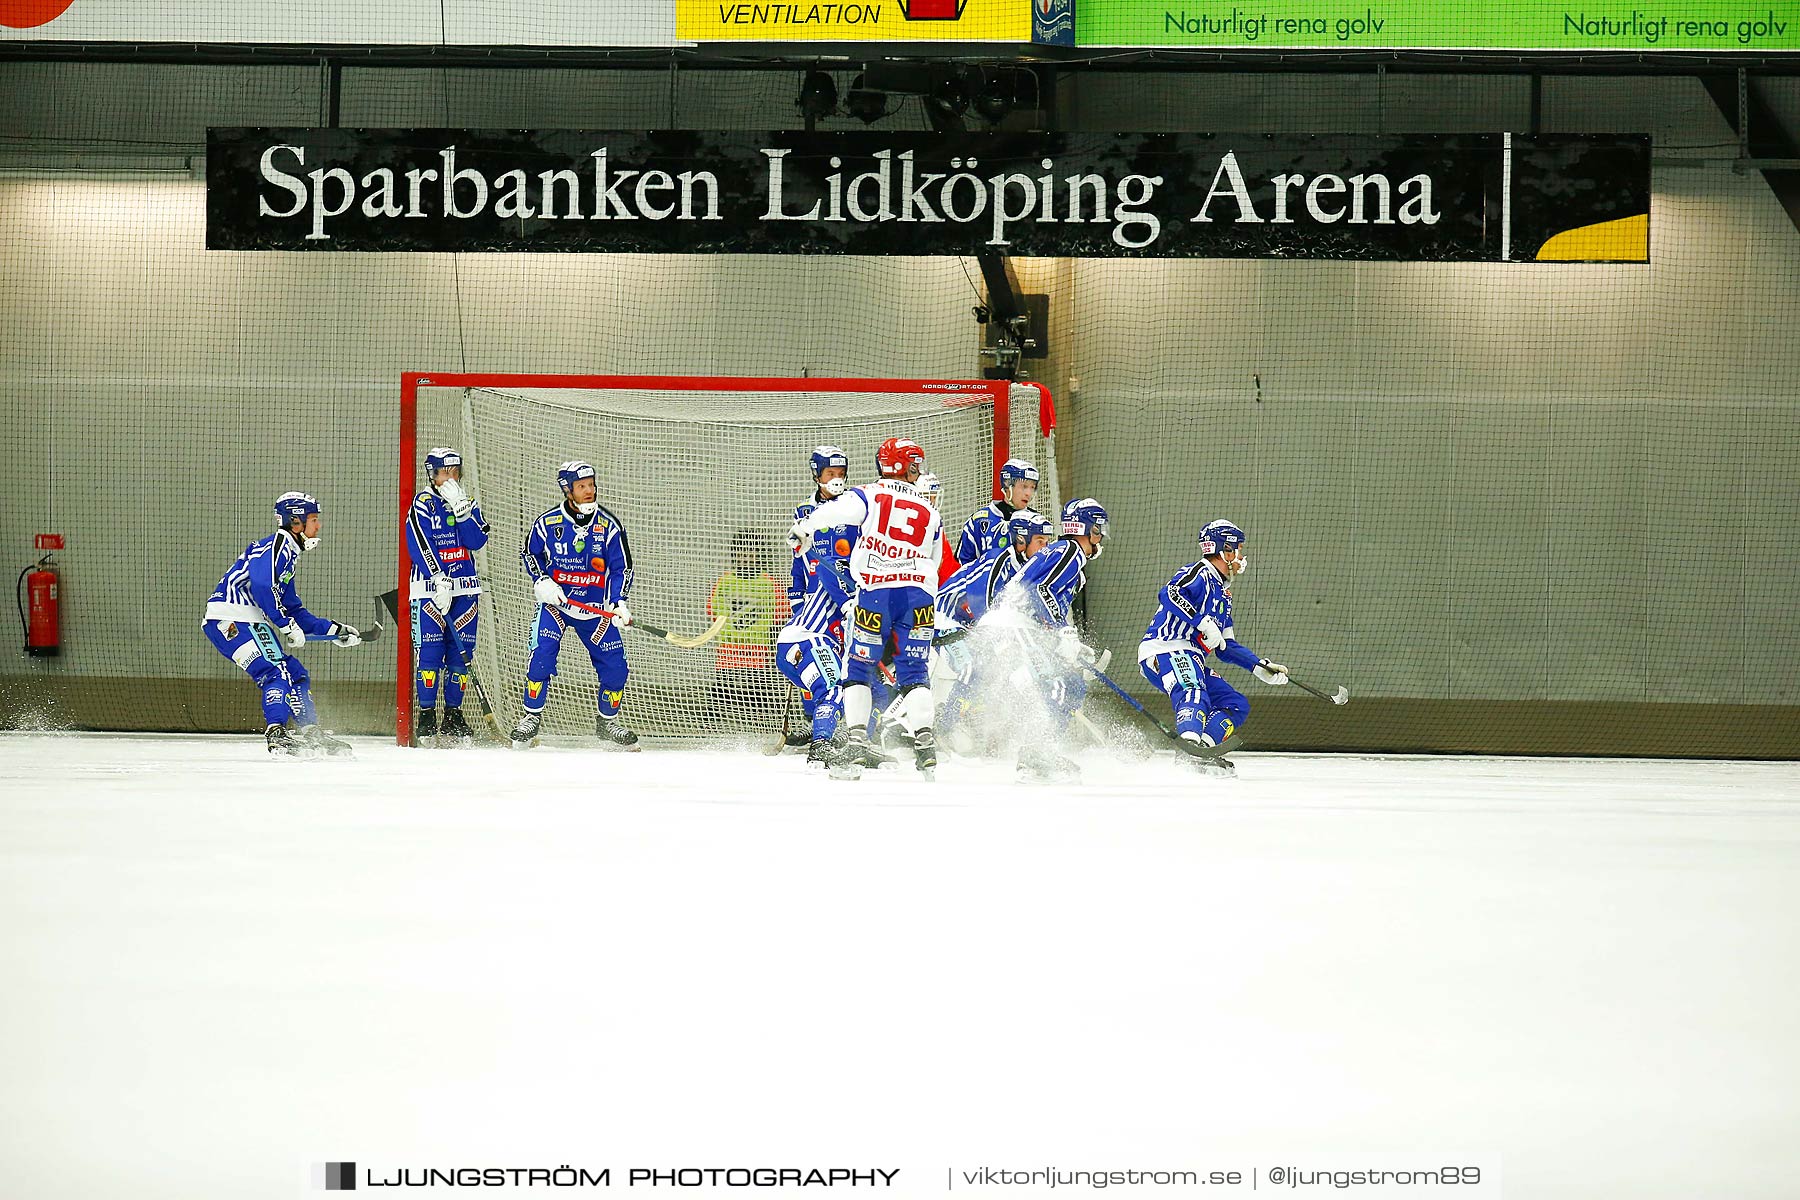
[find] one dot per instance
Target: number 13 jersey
(899, 535)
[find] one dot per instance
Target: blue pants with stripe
(816, 667)
(256, 650)
(605, 648)
(1204, 703)
(432, 648)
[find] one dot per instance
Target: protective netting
(705, 481)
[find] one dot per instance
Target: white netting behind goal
(705, 481)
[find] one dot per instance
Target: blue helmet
(830, 456)
(566, 477)
(293, 506)
(442, 458)
(1015, 469)
(1084, 518)
(1218, 537)
(570, 472)
(1025, 525)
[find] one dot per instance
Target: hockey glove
(441, 592)
(1271, 673)
(795, 537)
(294, 635)
(549, 592)
(346, 635)
(462, 508)
(621, 616)
(1211, 636)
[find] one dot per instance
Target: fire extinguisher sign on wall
(40, 601)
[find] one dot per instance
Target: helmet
(829, 456)
(1223, 537)
(566, 477)
(1084, 518)
(442, 458)
(1218, 537)
(1013, 470)
(296, 506)
(931, 485)
(1024, 526)
(897, 456)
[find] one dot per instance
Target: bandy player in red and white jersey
(895, 565)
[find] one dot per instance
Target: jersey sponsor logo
(924, 615)
(287, 577)
(534, 688)
(894, 577)
(884, 548)
(869, 620)
(553, 519)
(599, 564)
(454, 554)
(579, 578)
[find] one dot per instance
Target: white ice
(218, 970)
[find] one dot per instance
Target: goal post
(703, 472)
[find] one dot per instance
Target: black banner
(1467, 197)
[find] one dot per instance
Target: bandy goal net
(704, 474)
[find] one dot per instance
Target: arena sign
(1465, 198)
(1758, 25)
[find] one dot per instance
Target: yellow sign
(853, 20)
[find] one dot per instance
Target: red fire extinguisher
(40, 612)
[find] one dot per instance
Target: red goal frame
(957, 393)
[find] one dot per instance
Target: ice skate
(846, 762)
(1220, 767)
(456, 731)
(925, 755)
(818, 753)
(322, 742)
(1037, 765)
(425, 732)
(525, 734)
(613, 735)
(284, 745)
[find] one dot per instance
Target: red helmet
(897, 456)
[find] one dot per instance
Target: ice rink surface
(220, 969)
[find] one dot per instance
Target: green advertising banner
(1752, 25)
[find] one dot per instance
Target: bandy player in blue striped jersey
(809, 650)
(894, 566)
(254, 600)
(580, 566)
(1048, 584)
(444, 528)
(987, 528)
(965, 597)
(1193, 620)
